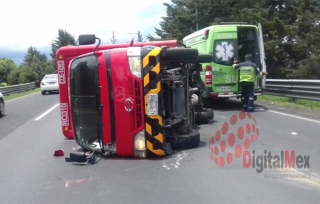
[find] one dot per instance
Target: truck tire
(185, 141)
(1, 108)
(204, 58)
(180, 55)
(204, 117)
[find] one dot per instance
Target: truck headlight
(139, 145)
(134, 60)
(135, 66)
(140, 141)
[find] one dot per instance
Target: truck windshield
(84, 100)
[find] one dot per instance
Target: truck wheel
(205, 116)
(204, 58)
(180, 54)
(185, 141)
(1, 108)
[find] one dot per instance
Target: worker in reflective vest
(248, 72)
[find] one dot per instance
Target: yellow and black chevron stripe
(152, 86)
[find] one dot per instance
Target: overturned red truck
(136, 100)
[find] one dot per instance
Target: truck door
(263, 66)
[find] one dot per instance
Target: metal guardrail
(291, 88)
(6, 91)
(294, 88)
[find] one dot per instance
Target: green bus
(225, 42)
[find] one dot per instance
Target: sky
(36, 22)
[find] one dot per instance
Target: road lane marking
(48, 111)
(295, 116)
(221, 116)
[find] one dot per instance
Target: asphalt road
(31, 174)
(19, 111)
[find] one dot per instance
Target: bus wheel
(180, 54)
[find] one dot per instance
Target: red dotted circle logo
(225, 145)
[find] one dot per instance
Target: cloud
(37, 22)
(18, 55)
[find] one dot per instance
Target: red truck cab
(65, 54)
(132, 101)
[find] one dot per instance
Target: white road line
(295, 116)
(48, 111)
(221, 116)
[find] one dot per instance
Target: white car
(49, 83)
(1, 105)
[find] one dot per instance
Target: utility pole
(113, 37)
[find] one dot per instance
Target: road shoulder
(293, 111)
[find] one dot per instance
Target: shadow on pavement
(231, 105)
(174, 154)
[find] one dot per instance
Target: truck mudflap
(156, 144)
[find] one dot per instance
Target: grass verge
(18, 95)
(287, 102)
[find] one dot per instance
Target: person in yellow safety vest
(248, 72)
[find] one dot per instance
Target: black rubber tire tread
(204, 117)
(186, 141)
(43, 92)
(2, 114)
(204, 58)
(180, 55)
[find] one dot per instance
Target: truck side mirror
(87, 39)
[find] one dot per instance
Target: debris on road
(82, 158)
(58, 153)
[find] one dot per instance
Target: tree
(41, 68)
(6, 66)
(183, 16)
(32, 51)
(64, 38)
(291, 29)
(13, 77)
(26, 75)
(151, 38)
(178, 23)
(140, 38)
